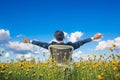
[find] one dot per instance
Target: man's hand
(26, 40)
(97, 36)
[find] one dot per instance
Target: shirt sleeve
(41, 44)
(81, 42)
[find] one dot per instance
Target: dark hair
(59, 35)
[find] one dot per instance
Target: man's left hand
(97, 36)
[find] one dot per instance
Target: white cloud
(101, 45)
(44, 50)
(77, 54)
(25, 56)
(105, 44)
(7, 55)
(20, 57)
(75, 36)
(36, 49)
(19, 47)
(15, 46)
(117, 42)
(65, 34)
(4, 35)
(117, 39)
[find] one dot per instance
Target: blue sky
(38, 19)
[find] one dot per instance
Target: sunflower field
(102, 68)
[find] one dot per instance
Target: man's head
(59, 35)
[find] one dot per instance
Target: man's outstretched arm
(81, 42)
(38, 43)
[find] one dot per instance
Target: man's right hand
(26, 40)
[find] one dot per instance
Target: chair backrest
(61, 53)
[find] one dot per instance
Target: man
(59, 36)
